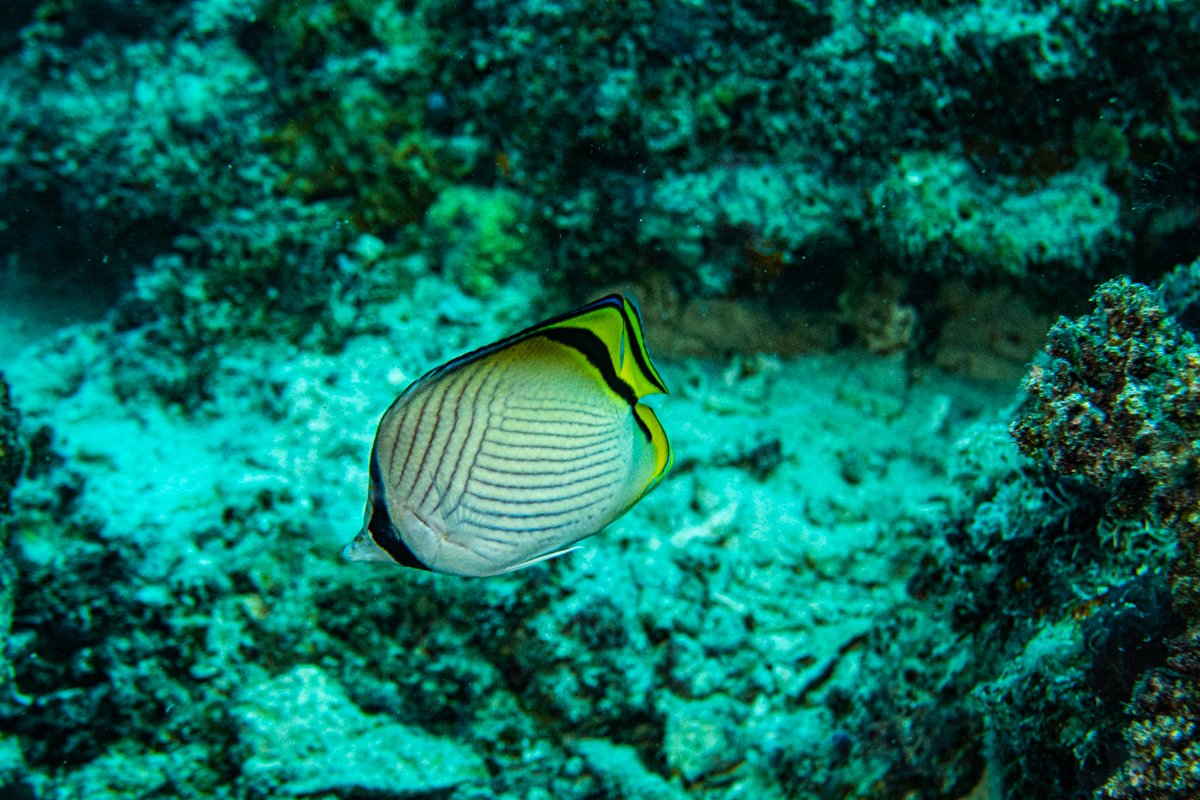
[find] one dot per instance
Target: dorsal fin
(613, 319)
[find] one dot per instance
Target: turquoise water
(921, 278)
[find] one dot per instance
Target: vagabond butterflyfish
(510, 454)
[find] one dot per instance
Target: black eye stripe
(380, 526)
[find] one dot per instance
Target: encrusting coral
(1118, 403)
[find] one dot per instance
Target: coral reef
(129, 145)
(739, 227)
(479, 237)
(665, 137)
(12, 454)
(1164, 751)
(284, 273)
(12, 461)
(1116, 403)
(938, 212)
(852, 583)
(1180, 293)
(684, 654)
(1054, 612)
(346, 751)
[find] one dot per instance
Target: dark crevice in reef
(57, 251)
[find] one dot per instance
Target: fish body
(508, 455)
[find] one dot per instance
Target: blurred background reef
(921, 274)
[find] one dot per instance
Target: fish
(510, 454)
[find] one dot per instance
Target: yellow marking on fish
(510, 454)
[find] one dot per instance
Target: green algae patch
(479, 235)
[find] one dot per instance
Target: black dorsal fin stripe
(638, 346)
(592, 348)
(614, 301)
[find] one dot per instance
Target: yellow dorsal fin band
(617, 322)
(613, 319)
(638, 370)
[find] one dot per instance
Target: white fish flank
(506, 462)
